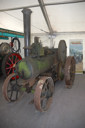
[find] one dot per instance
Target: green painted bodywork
(39, 61)
(23, 67)
(32, 91)
(23, 89)
(32, 67)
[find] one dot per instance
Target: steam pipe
(27, 30)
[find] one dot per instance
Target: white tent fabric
(63, 18)
(69, 17)
(13, 20)
(4, 4)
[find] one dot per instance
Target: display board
(76, 50)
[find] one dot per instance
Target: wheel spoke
(16, 80)
(46, 83)
(9, 67)
(10, 60)
(9, 90)
(12, 57)
(44, 103)
(8, 71)
(13, 70)
(42, 98)
(11, 83)
(8, 63)
(16, 95)
(11, 95)
(15, 59)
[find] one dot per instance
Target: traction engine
(39, 70)
(38, 73)
(9, 56)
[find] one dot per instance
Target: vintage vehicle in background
(39, 70)
(9, 56)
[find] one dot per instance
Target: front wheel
(43, 93)
(12, 89)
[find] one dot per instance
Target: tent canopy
(65, 17)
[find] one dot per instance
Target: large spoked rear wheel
(43, 93)
(69, 71)
(9, 63)
(11, 89)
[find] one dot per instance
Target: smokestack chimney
(27, 30)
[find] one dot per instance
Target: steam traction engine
(39, 70)
(9, 57)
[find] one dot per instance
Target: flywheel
(62, 51)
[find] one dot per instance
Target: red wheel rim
(11, 62)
